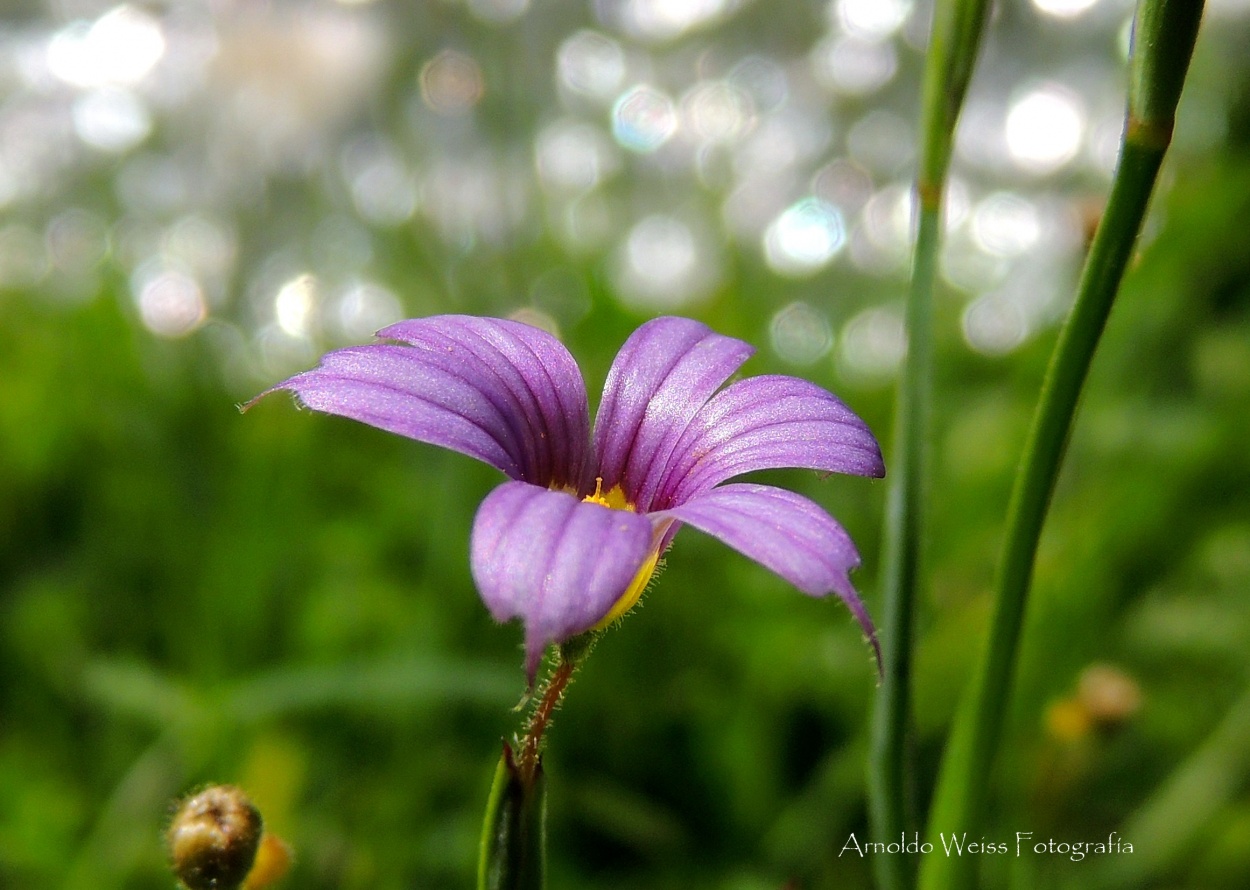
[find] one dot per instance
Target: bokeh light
(871, 19)
(591, 64)
(843, 183)
(882, 141)
(763, 80)
(786, 138)
(663, 265)
(800, 334)
(1044, 128)
(295, 306)
(573, 156)
(872, 345)
(471, 198)
(120, 47)
(882, 241)
(995, 324)
(716, 111)
(383, 189)
(643, 118)
(208, 248)
(667, 19)
(23, 258)
(804, 238)
(170, 302)
(111, 119)
(363, 308)
(966, 265)
(77, 242)
(1064, 9)
(451, 82)
(1006, 224)
(852, 66)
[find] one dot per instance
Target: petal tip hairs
(569, 543)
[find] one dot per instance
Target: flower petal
(768, 422)
(662, 376)
(557, 563)
(501, 391)
(784, 532)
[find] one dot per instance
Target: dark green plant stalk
(1165, 31)
(513, 853)
(953, 46)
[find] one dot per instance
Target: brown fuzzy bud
(213, 839)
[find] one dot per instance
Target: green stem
(962, 795)
(889, 796)
(512, 854)
(957, 29)
(513, 849)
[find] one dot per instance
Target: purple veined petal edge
(786, 533)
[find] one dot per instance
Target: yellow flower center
(614, 499)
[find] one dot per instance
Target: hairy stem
(530, 751)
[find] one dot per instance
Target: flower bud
(213, 839)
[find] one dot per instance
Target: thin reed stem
(956, 36)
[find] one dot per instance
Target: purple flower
(571, 541)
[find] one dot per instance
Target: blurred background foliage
(197, 199)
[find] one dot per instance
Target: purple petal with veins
(557, 563)
(660, 379)
(764, 423)
(503, 392)
(784, 532)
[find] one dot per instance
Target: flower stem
(530, 752)
(889, 780)
(1165, 33)
(513, 850)
(957, 29)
